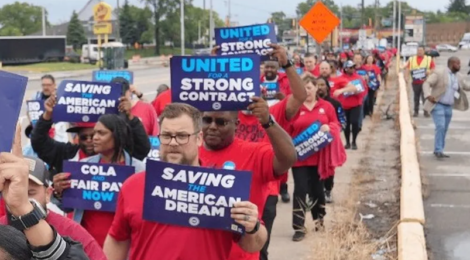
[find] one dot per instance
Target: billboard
(414, 29)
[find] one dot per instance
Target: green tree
(195, 18)
(75, 32)
(160, 8)
(143, 17)
(457, 6)
(127, 25)
(20, 17)
(282, 22)
(304, 7)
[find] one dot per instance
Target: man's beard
(270, 76)
(321, 94)
(182, 161)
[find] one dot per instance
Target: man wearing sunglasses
(267, 161)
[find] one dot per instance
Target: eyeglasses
(181, 139)
(85, 137)
(217, 121)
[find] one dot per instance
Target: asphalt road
(447, 208)
(146, 80)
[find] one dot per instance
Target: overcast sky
(243, 11)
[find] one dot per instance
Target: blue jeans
(364, 103)
(441, 115)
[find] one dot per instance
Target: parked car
(433, 53)
(202, 52)
(446, 47)
(72, 57)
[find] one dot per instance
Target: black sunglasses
(218, 121)
(85, 137)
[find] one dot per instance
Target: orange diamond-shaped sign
(319, 22)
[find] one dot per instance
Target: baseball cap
(348, 64)
(78, 126)
(38, 171)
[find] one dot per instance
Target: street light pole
(211, 25)
(399, 27)
(118, 31)
(182, 27)
(43, 21)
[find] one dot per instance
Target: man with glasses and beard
(180, 139)
(39, 190)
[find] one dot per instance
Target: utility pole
(376, 23)
(363, 14)
(399, 27)
(43, 21)
(182, 27)
(204, 4)
(394, 43)
(118, 31)
(341, 27)
(199, 32)
(211, 25)
(229, 14)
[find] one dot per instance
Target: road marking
(450, 128)
(448, 174)
(450, 153)
(459, 119)
(450, 206)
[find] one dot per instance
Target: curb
(411, 239)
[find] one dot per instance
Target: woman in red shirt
(307, 178)
(373, 73)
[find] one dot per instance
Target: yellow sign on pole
(102, 12)
(102, 28)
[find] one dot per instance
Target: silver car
(446, 47)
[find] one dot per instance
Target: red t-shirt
(98, 223)
(419, 59)
(249, 129)
(152, 240)
(2, 207)
(315, 72)
(255, 157)
(147, 115)
(68, 228)
(324, 112)
(161, 101)
(351, 101)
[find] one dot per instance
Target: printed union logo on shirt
(246, 39)
(35, 109)
(94, 186)
(85, 101)
(310, 141)
(215, 83)
(194, 196)
(109, 75)
(272, 88)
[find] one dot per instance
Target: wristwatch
(29, 220)
(258, 224)
(270, 123)
(288, 64)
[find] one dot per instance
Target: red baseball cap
(79, 126)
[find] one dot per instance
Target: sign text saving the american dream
(84, 101)
(215, 83)
(94, 186)
(246, 39)
(193, 196)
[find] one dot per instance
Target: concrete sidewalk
(282, 247)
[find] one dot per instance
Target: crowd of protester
(337, 89)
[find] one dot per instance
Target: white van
(90, 51)
(465, 42)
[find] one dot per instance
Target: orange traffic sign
(319, 22)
